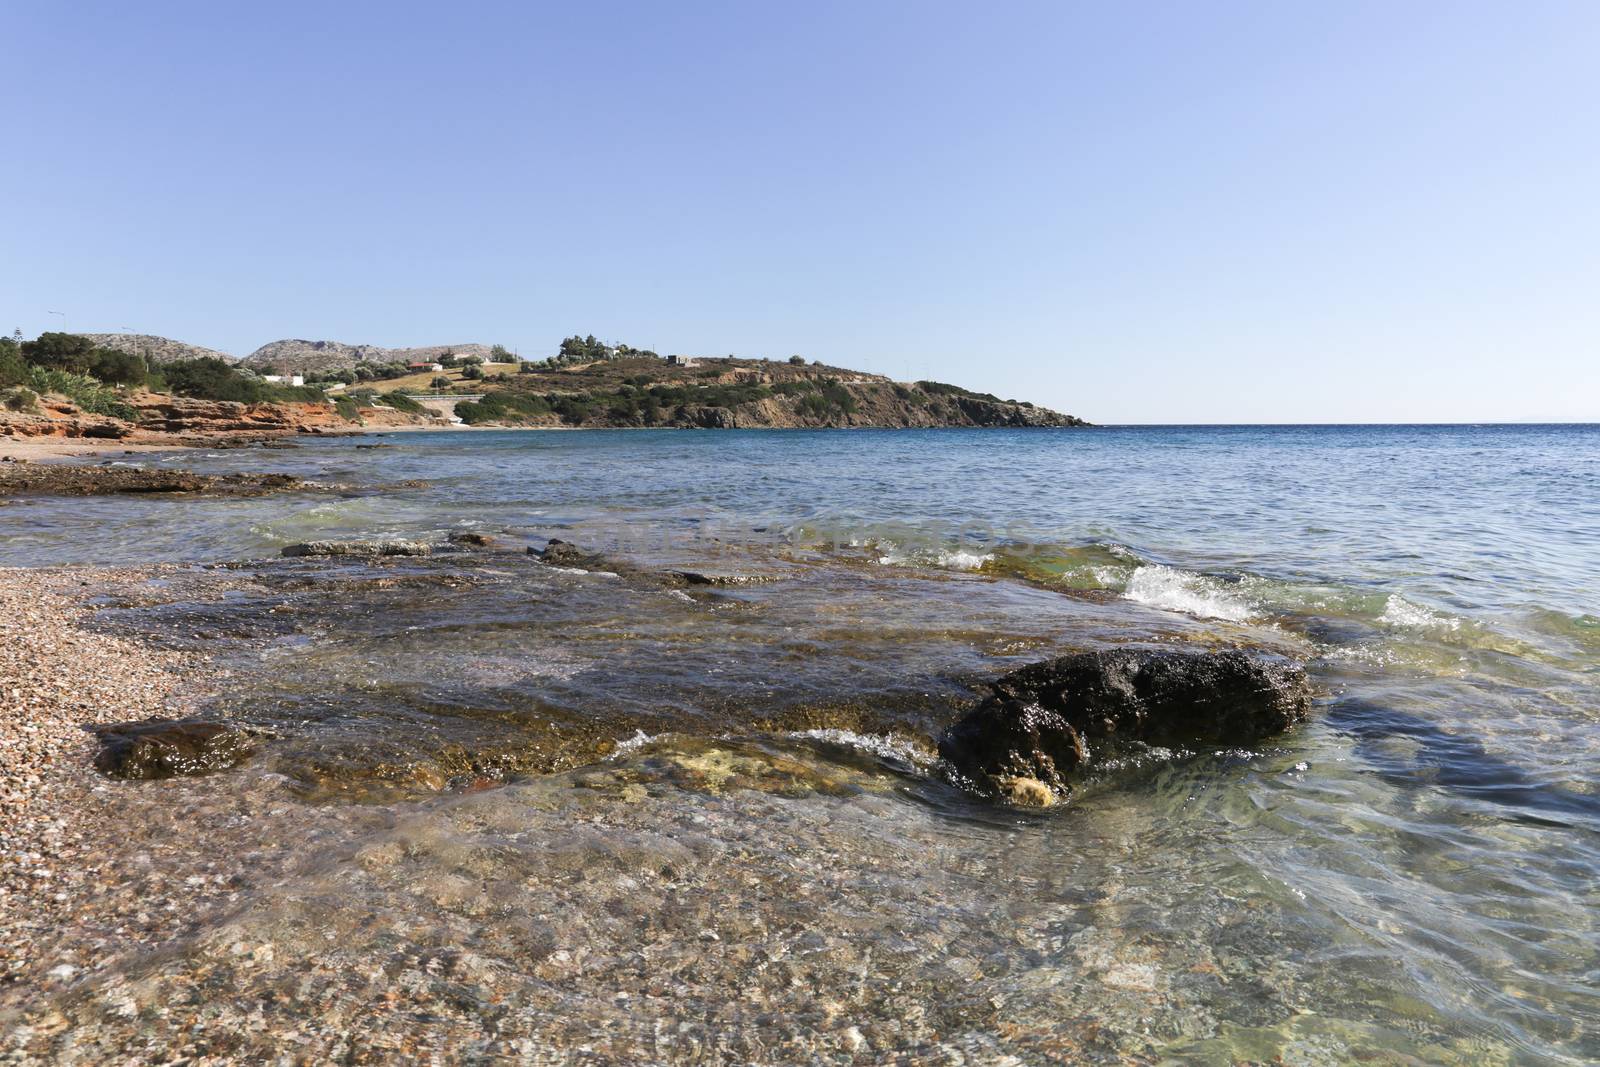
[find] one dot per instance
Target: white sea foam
(1192, 594)
(963, 561)
(1402, 613)
(957, 559)
(882, 745)
(633, 744)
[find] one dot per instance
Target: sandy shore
(37, 449)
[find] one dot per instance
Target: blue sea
(758, 843)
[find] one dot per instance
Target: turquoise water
(1413, 874)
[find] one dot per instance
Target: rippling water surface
(769, 856)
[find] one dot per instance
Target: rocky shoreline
(180, 422)
(176, 945)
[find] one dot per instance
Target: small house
(680, 361)
(420, 367)
(284, 379)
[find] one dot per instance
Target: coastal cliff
(730, 393)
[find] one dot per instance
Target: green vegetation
(400, 402)
(711, 396)
(73, 354)
(577, 350)
(82, 390)
(348, 408)
(638, 402)
(831, 400)
(13, 368)
(944, 389)
(209, 378)
(20, 398)
(503, 406)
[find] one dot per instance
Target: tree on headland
(798, 361)
(60, 351)
(115, 367)
(441, 382)
(75, 354)
(472, 371)
(500, 354)
(13, 370)
(210, 378)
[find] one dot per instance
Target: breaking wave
(1174, 590)
(1400, 612)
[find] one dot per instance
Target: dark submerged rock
(472, 540)
(359, 548)
(702, 578)
(167, 748)
(559, 553)
(1005, 739)
(1047, 719)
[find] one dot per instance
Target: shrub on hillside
(83, 391)
(116, 367)
(20, 398)
(945, 389)
(401, 402)
(209, 378)
(502, 406)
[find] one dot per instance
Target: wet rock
(62, 479)
(1167, 696)
(559, 553)
(167, 748)
(1050, 718)
(702, 578)
(1004, 740)
(359, 548)
(472, 540)
(1027, 792)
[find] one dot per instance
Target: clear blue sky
(1140, 212)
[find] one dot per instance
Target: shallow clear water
(1411, 874)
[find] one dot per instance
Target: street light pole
(132, 333)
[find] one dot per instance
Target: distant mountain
(153, 348)
(303, 357)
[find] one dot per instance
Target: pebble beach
(60, 678)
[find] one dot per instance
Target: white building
(284, 379)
